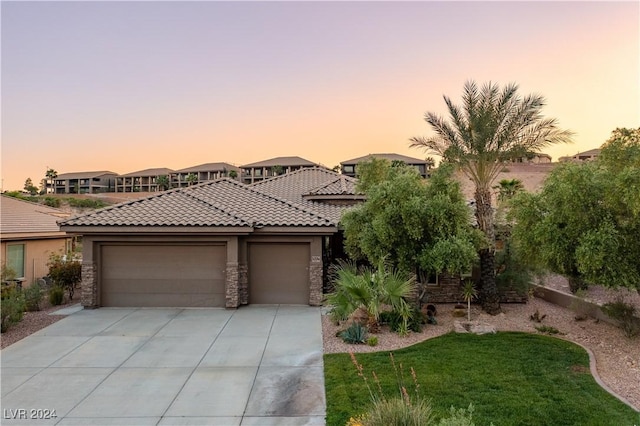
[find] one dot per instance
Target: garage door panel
(163, 275)
(279, 273)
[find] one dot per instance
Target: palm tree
(191, 179)
(492, 126)
(163, 182)
(51, 174)
(507, 188)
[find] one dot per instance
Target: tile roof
(149, 172)
(281, 161)
(297, 185)
(84, 175)
(388, 156)
(213, 167)
(22, 217)
(223, 202)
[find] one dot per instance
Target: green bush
(52, 202)
(356, 333)
(33, 297)
(372, 341)
(56, 295)
(86, 203)
(624, 313)
(459, 417)
(12, 309)
(65, 273)
(397, 412)
(395, 320)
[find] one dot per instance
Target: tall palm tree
(507, 188)
(492, 125)
(51, 174)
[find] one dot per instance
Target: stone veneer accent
(231, 286)
(89, 295)
(315, 283)
(243, 283)
(449, 290)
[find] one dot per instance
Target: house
(536, 158)
(84, 182)
(217, 244)
(266, 169)
(203, 173)
(29, 234)
(142, 181)
(349, 167)
(590, 155)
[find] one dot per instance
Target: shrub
(624, 313)
(52, 202)
(459, 417)
(65, 273)
(398, 411)
(537, 317)
(33, 297)
(396, 321)
(372, 341)
(547, 329)
(356, 334)
(56, 295)
(86, 203)
(12, 309)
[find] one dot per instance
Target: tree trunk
(489, 297)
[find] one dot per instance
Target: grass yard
(511, 379)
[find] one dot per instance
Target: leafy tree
(191, 179)
(29, 187)
(51, 175)
(411, 222)
(233, 174)
(163, 182)
(277, 170)
(491, 126)
(585, 222)
(65, 272)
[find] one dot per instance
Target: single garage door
(163, 275)
(279, 273)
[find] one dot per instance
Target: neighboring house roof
(84, 175)
(208, 167)
(281, 161)
(220, 203)
(24, 219)
(387, 156)
(302, 185)
(595, 151)
(149, 172)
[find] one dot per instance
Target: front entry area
(164, 275)
(278, 273)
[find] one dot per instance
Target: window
(15, 258)
(257, 172)
(347, 169)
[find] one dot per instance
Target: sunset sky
(125, 86)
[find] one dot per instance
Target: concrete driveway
(258, 365)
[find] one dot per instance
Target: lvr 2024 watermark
(27, 414)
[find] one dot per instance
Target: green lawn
(511, 379)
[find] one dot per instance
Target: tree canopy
(412, 222)
(585, 222)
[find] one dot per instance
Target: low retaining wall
(566, 300)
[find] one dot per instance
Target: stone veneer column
(89, 294)
(231, 286)
(315, 282)
(243, 283)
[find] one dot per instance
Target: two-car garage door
(163, 275)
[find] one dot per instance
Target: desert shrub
(12, 309)
(65, 273)
(86, 203)
(624, 313)
(51, 202)
(33, 297)
(356, 334)
(372, 341)
(56, 295)
(459, 417)
(547, 329)
(396, 321)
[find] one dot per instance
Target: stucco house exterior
(261, 170)
(29, 235)
(142, 180)
(216, 244)
(349, 167)
(84, 182)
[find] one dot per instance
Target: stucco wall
(36, 256)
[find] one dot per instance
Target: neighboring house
(349, 167)
(537, 158)
(590, 155)
(29, 235)
(141, 181)
(84, 182)
(266, 169)
(202, 173)
(217, 244)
